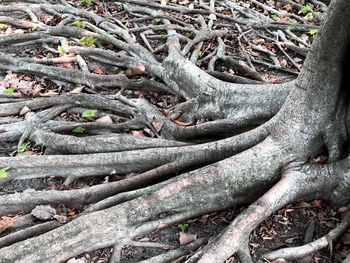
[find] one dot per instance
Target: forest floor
(289, 226)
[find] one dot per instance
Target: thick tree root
(305, 250)
(123, 222)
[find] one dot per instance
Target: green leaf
(23, 147)
(115, 69)
(89, 41)
(3, 173)
(293, 23)
(307, 9)
(273, 15)
(199, 53)
(313, 31)
(9, 90)
(2, 25)
(20, 149)
(182, 226)
(80, 24)
(78, 129)
(61, 50)
(156, 20)
(89, 113)
(110, 32)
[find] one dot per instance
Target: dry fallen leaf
(157, 125)
(43, 212)
(136, 70)
(137, 133)
(98, 70)
(105, 119)
(161, 226)
(6, 222)
(50, 93)
(24, 111)
(181, 123)
(186, 238)
(212, 16)
(145, 239)
(78, 89)
(60, 219)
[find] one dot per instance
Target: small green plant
(89, 41)
(313, 31)
(199, 53)
(61, 50)
(9, 90)
(182, 227)
(88, 2)
(21, 148)
(110, 32)
(78, 129)
(89, 113)
(156, 20)
(309, 12)
(83, 25)
(115, 69)
(3, 172)
(163, 36)
(307, 9)
(80, 24)
(293, 23)
(2, 25)
(273, 15)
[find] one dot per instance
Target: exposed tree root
(302, 251)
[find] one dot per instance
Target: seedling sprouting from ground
(78, 129)
(3, 173)
(9, 90)
(89, 41)
(21, 149)
(89, 113)
(309, 12)
(182, 227)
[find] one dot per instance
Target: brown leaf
(288, 7)
(317, 203)
(60, 219)
(157, 125)
(161, 226)
(291, 240)
(50, 93)
(138, 69)
(98, 70)
(181, 123)
(78, 89)
(24, 111)
(212, 16)
(105, 119)
(43, 212)
(27, 153)
(145, 239)
(186, 238)
(6, 222)
(137, 133)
